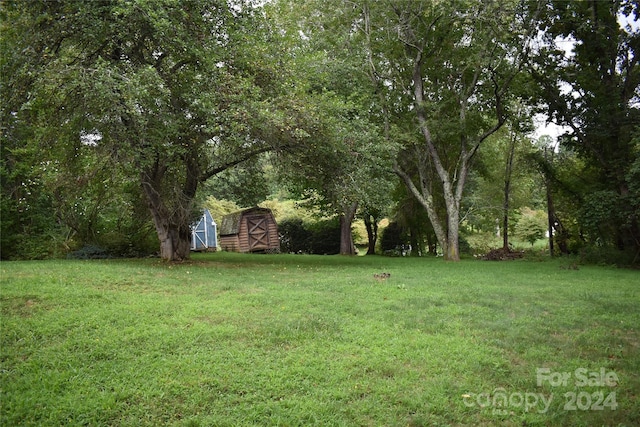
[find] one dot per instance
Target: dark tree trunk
(174, 234)
(507, 192)
(172, 222)
(346, 238)
(551, 218)
(557, 232)
(416, 246)
(372, 233)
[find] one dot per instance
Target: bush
(464, 246)
(393, 237)
(294, 237)
(325, 237)
(89, 252)
(480, 243)
(321, 237)
(532, 226)
(606, 255)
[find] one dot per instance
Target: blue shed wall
(204, 233)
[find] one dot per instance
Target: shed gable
(250, 230)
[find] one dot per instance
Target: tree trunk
(555, 225)
(453, 236)
(372, 233)
(448, 241)
(507, 192)
(173, 230)
(346, 238)
(175, 237)
(426, 200)
(550, 217)
(175, 242)
(416, 244)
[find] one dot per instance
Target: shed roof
(230, 223)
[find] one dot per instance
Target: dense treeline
(119, 119)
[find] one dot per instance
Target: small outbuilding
(250, 230)
(204, 233)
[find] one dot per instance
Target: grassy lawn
(232, 340)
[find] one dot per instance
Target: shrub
(480, 243)
(320, 237)
(606, 255)
(294, 237)
(393, 236)
(464, 246)
(325, 237)
(89, 252)
(531, 226)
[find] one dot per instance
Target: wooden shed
(249, 230)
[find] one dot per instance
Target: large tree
(346, 168)
(455, 62)
(588, 73)
(174, 92)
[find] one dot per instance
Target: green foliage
(28, 226)
(606, 256)
(101, 100)
(54, 202)
(294, 236)
(593, 91)
(320, 237)
(531, 226)
(359, 230)
(219, 208)
(484, 202)
(89, 252)
(601, 213)
(245, 184)
(444, 84)
(480, 243)
(172, 94)
(465, 246)
(349, 161)
(393, 237)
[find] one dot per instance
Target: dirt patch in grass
(21, 306)
(502, 255)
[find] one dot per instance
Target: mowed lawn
(293, 340)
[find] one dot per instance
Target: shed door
(199, 235)
(258, 227)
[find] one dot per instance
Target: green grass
(232, 340)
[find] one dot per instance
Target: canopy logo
(502, 402)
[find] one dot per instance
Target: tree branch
(244, 157)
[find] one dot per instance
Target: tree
(555, 227)
(345, 169)
(27, 206)
(588, 75)
(508, 173)
(175, 93)
(411, 216)
(531, 225)
(245, 184)
(502, 181)
(457, 62)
